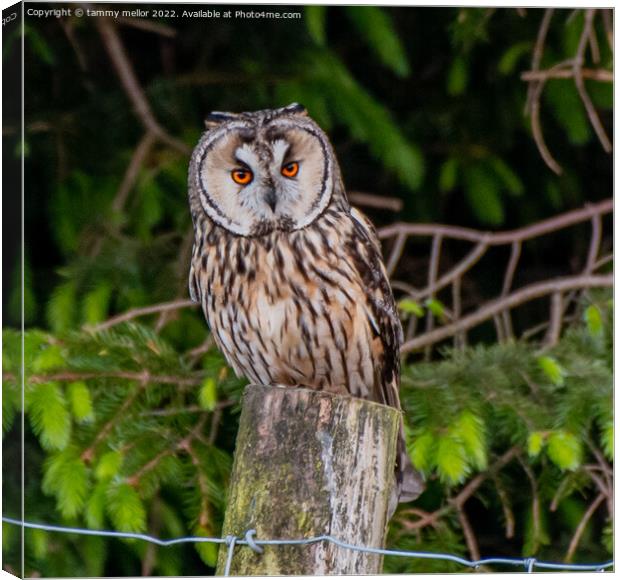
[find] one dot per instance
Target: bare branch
(374, 200)
(185, 410)
(574, 543)
(536, 126)
(598, 74)
(133, 169)
(499, 238)
(511, 301)
(148, 26)
(116, 51)
(201, 349)
(579, 82)
(555, 319)
(539, 48)
(459, 337)
(456, 272)
(607, 24)
(433, 269)
(595, 244)
(143, 311)
(468, 533)
(515, 254)
(594, 48)
(506, 507)
(603, 261)
(396, 253)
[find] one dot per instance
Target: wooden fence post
(309, 463)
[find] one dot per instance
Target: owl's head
(253, 173)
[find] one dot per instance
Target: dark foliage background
(131, 426)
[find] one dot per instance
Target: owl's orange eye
(242, 176)
(290, 169)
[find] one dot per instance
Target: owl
(290, 277)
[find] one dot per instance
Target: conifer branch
(88, 454)
(535, 500)
(182, 445)
(458, 501)
(143, 377)
(477, 481)
(203, 485)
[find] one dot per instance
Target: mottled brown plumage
(289, 276)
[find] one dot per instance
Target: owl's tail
(409, 482)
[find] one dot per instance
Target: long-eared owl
(289, 276)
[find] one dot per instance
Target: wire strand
(249, 539)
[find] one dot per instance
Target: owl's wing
(409, 482)
(194, 288)
(365, 250)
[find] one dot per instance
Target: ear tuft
(295, 109)
(215, 118)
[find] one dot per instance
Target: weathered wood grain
(309, 463)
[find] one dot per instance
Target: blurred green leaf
(567, 108)
(422, 451)
(207, 396)
(150, 209)
(375, 25)
(207, 551)
(483, 193)
(535, 442)
(512, 55)
(607, 439)
(601, 93)
(125, 508)
(39, 46)
(66, 477)
(48, 359)
(315, 22)
(448, 174)
(469, 427)
(436, 307)
(508, 177)
(109, 465)
(61, 308)
(367, 120)
(49, 416)
(594, 320)
(96, 302)
(469, 28)
(458, 76)
(552, 369)
(80, 401)
(96, 506)
(564, 449)
(39, 541)
(451, 460)
(409, 306)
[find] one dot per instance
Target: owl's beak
(271, 199)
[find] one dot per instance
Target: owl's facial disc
(254, 180)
